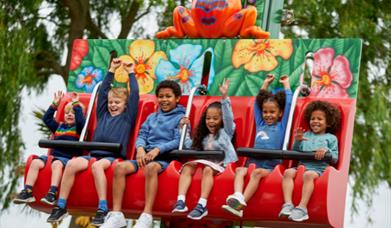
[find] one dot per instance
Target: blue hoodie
(161, 130)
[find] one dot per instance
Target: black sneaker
(198, 212)
(180, 207)
(50, 198)
(57, 215)
(99, 218)
(24, 196)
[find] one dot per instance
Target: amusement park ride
(243, 53)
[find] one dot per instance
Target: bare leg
(119, 182)
(151, 185)
(98, 171)
(308, 187)
(207, 182)
(240, 173)
(73, 166)
(185, 178)
(57, 167)
(252, 186)
(287, 184)
(32, 174)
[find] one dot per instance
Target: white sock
(239, 194)
(202, 201)
(182, 197)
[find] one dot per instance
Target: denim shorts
(163, 164)
(63, 160)
(88, 157)
(263, 163)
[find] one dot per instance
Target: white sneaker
(114, 219)
(144, 221)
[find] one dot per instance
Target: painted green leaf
(115, 45)
(101, 57)
(218, 79)
(236, 77)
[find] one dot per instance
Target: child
(158, 135)
(271, 112)
(116, 114)
(70, 129)
(323, 120)
(214, 132)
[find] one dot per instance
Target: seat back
(347, 108)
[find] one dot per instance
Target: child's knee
(57, 165)
(289, 173)
(152, 169)
(96, 168)
(259, 173)
(207, 171)
(309, 175)
(188, 170)
(241, 171)
(37, 164)
(121, 169)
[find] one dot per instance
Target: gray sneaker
(286, 210)
(299, 214)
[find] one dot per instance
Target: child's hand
(151, 155)
(184, 120)
(319, 153)
(140, 157)
(74, 97)
(224, 88)
(299, 134)
(129, 67)
(57, 97)
(115, 63)
(284, 80)
(268, 80)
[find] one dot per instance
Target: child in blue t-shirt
(70, 129)
(271, 112)
(323, 120)
(116, 115)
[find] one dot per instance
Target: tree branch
(94, 29)
(128, 21)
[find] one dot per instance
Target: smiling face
(167, 99)
(271, 112)
(116, 105)
(318, 122)
(213, 120)
(69, 114)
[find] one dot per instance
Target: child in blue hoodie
(158, 135)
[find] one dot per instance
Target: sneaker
(180, 207)
(232, 210)
(50, 199)
(198, 212)
(57, 215)
(286, 210)
(99, 218)
(24, 197)
(114, 219)
(144, 221)
(236, 202)
(299, 214)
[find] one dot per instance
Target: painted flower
(260, 55)
(330, 77)
(185, 66)
(145, 59)
(88, 78)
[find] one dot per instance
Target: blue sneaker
(198, 212)
(180, 207)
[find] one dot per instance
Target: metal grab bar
(66, 144)
(280, 154)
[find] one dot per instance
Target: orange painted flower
(260, 55)
(145, 59)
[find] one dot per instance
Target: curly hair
(176, 89)
(332, 113)
(202, 130)
(265, 96)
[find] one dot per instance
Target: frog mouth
(208, 20)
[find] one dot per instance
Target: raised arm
(105, 87)
(134, 97)
(79, 116)
(48, 118)
(288, 99)
(257, 110)
(228, 116)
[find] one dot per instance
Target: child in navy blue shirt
(271, 112)
(158, 135)
(116, 115)
(70, 129)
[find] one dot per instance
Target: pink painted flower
(330, 77)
